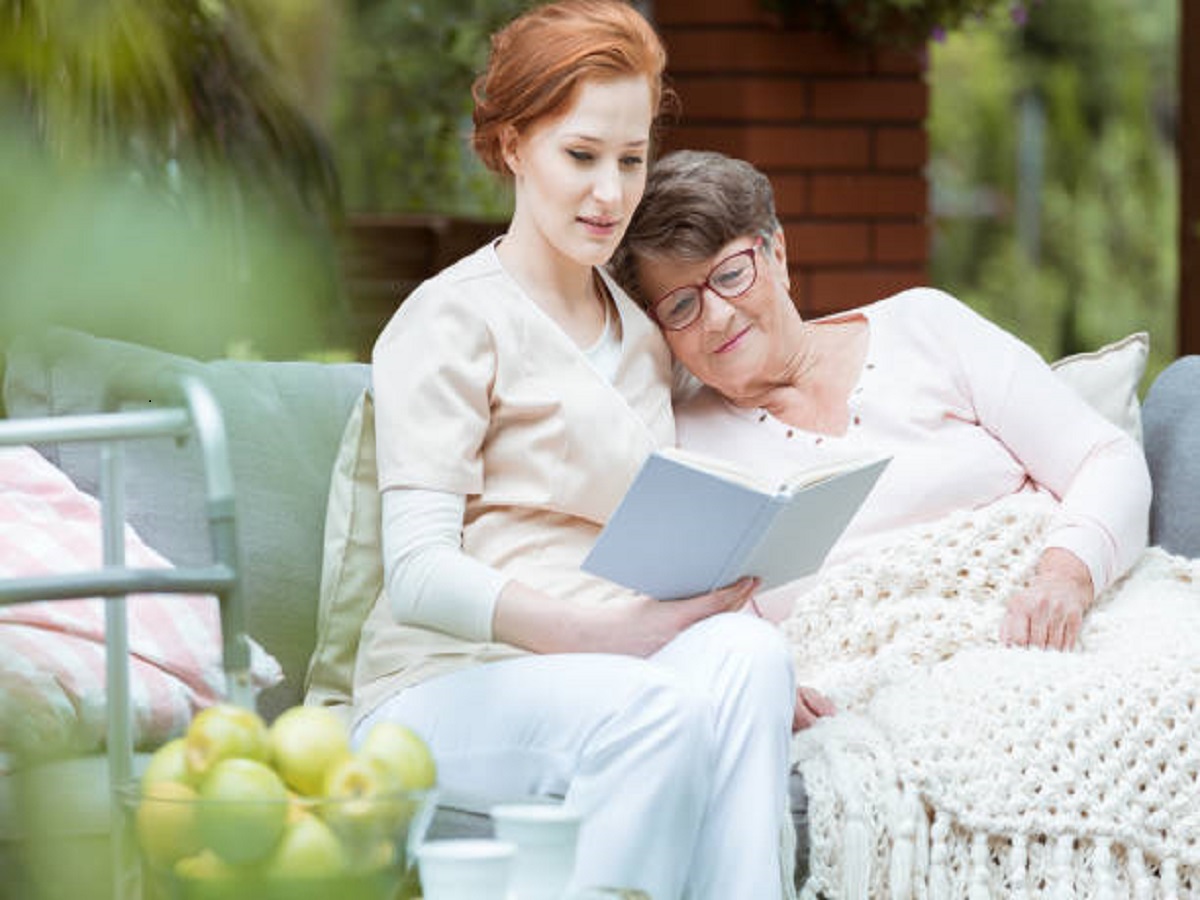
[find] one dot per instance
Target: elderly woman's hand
(811, 705)
(1048, 613)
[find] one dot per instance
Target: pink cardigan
(970, 414)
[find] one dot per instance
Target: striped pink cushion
(52, 672)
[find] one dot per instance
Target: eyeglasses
(729, 279)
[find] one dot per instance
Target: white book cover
(689, 524)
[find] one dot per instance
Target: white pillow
(352, 565)
(1109, 378)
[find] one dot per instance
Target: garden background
(203, 175)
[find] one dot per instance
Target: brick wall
(839, 129)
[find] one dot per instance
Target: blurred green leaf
(98, 251)
(166, 175)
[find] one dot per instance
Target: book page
(803, 478)
(719, 467)
(811, 475)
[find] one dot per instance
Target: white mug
(465, 869)
(545, 836)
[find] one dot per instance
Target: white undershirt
(605, 354)
(430, 581)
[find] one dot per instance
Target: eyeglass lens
(730, 278)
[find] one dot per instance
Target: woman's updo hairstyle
(538, 61)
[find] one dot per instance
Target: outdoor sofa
(285, 422)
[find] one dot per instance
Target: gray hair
(696, 202)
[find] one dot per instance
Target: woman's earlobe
(779, 249)
(509, 140)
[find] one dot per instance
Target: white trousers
(678, 763)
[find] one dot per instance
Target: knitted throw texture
(959, 768)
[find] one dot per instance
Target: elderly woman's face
(736, 342)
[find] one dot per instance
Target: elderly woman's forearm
(1105, 513)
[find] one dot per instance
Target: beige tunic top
(479, 392)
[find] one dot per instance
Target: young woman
(516, 395)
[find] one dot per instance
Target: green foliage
(161, 176)
(88, 249)
(402, 110)
(1068, 239)
(163, 87)
(897, 23)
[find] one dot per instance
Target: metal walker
(178, 407)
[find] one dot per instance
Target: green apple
(243, 810)
(308, 849)
(404, 752)
(363, 803)
(220, 732)
(205, 876)
(308, 864)
(305, 741)
(166, 823)
(204, 866)
(168, 763)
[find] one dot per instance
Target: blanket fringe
(1105, 882)
(1143, 889)
(939, 875)
(877, 834)
(1018, 868)
(1061, 867)
(856, 847)
(904, 850)
(979, 868)
(1170, 879)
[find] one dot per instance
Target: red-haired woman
(516, 394)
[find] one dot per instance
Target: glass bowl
(304, 848)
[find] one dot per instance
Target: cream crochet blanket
(963, 769)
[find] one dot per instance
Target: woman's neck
(563, 288)
(812, 386)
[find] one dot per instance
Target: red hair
(539, 60)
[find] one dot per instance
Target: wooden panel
(385, 257)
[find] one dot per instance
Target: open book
(690, 524)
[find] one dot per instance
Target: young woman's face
(578, 177)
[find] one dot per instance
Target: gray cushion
(1171, 428)
(284, 421)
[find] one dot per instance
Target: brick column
(840, 131)
(1189, 178)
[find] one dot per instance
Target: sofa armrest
(1171, 431)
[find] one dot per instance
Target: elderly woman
(969, 413)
